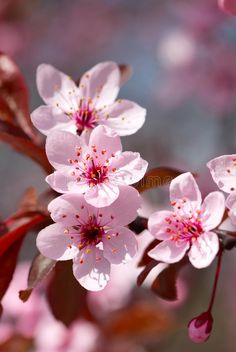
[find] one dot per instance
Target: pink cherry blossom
(188, 227)
(79, 109)
(94, 238)
(229, 6)
(97, 169)
(223, 171)
(199, 328)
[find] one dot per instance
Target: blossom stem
(217, 274)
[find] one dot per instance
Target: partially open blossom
(94, 238)
(82, 108)
(97, 169)
(223, 171)
(229, 6)
(199, 328)
(188, 227)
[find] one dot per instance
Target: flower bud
(199, 328)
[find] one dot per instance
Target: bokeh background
(183, 54)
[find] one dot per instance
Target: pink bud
(228, 6)
(199, 328)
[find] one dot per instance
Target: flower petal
(70, 207)
(53, 243)
(101, 83)
(229, 6)
(102, 195)
(91, 269)
(212, 210)
(223, 172)
(61, 147)
(114, 215)
(63, 182)
(159, 223)
(52, 84)
(123, 116)
(204, 250)
(119, 245)
(169, 251)
(106, 142)
(130, 168)
(231, 205)
(185, 194)
(47, 119)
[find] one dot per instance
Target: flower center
(187, 230)
(89, 234)
(85, 117)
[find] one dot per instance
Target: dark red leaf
(39, 270)
(165, 283)
(7, 265)
(67, 299)
(157, 177)
(17, 140)
(26, 224)
(13, 92)
(145, 258)
(144, 273)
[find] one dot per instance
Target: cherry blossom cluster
(83, 124)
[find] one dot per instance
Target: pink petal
(91, 269)
(169, 251)
(130, 168)
(229, 6)
(61, 147)
(114, 215)
(70, 207)
(231, 205)
(51, 83)
(212, 210)
(102, 195)
(106, 141)
(223, 172)
(184, 193)
(119, 245)
(62, 181)
(53, 243)
(204, 250)
(158, 224)
(101, 83)
(124, 116)
(46, 119)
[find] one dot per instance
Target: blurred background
(183, 54)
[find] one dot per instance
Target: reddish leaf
(145, 258)
(40, 268)
(13, 92)
(17, 140)
(138, 225)
(17, 343)
(67, 299)
(126, 72)
(18, 233)
(157, 177)
(144, 273)
(165, 283)
(7, 265)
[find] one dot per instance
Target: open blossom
(223, 171)
(97, 169)
(94, 238)
(79, 109)
(188, 227)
